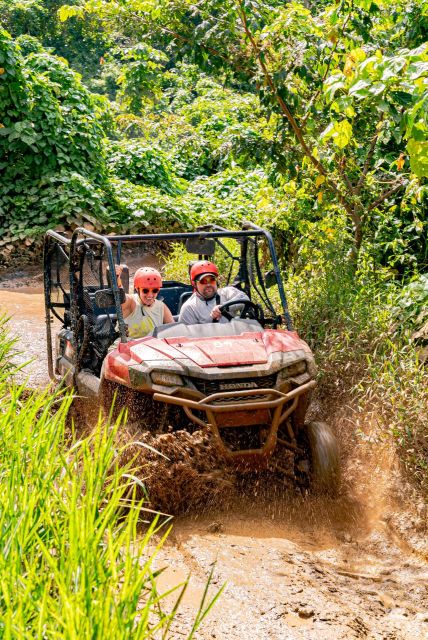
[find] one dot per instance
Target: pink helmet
(147, 277)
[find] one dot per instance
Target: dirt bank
(294, 566)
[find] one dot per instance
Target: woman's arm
(129, 305)
(167, 315)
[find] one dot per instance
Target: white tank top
(143, 320)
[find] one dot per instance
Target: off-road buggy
(248, 381)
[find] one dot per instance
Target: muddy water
(27, 324)
(293, 567)
(317, 572)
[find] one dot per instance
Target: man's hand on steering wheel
(216, 313)
(248, 309)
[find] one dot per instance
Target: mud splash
(181, 471)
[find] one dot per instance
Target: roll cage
(76, 269)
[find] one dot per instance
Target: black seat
(172, 292)
(184, 296)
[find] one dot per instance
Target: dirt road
(294, 567)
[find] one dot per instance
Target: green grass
(74, 562)
(366, 363)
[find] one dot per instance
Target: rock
(422, 617)
(305, 612)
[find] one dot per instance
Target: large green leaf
(418, 152)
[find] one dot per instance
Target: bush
(411, 310)
(142, 165)
(51, 146)
(347, 319)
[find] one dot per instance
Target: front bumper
(231, 409)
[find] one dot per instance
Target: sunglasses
(207, 280)
(146, 291)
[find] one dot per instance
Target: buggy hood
(228, 351)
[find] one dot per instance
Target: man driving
(204, 304)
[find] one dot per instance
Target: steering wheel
(248, 310)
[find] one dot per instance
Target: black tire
(112, 398)
(317, 469)
(140, 408)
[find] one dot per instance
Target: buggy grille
(208, 387)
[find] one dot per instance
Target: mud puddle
(293, 567)
(26, 310)
(288, 576)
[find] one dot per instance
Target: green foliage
(384, 84)
(29, 44)
(142, 165)
(202, 126)
(140, 80)
(51, 145)
(141, 209)
(411, 310)
(72, 528)
(376, 375)
(81, 43)
(346, 84)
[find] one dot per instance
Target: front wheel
(317, 467)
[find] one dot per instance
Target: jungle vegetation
(74, 562)
(309, 118)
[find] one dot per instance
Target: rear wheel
(317, 467)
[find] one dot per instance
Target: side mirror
(270, 279)
(104, 298)
(201, 246)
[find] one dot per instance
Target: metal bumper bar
(277, 407)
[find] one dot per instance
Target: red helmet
(201, 268)
(147, 277)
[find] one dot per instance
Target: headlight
(293, 370)
(166, 379)
(296, 368)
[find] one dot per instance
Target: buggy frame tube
(249, 230)
(268, 236)
(105, 240)
(47, 290)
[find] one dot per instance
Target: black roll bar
(82, 235)
(47, 291)
(105, 240)
(247, 224)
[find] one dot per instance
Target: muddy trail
(293, 566)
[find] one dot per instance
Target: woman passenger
(142, 311)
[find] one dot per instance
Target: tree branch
(383, 196)
(351, 211)
(369, 158)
